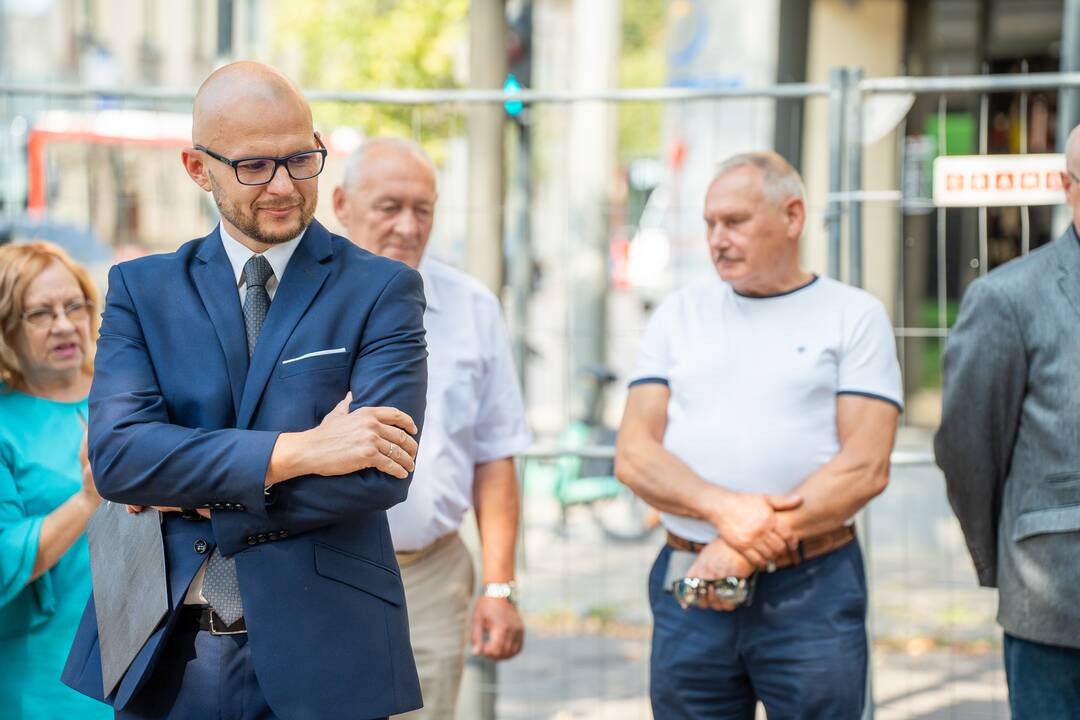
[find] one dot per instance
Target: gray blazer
(1009, 441)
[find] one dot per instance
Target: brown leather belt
(812, 547)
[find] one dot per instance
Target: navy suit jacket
(179, 417)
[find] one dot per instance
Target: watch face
(504, 591)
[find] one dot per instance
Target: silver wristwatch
(501, 590)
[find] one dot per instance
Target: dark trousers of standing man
(800, 648)
(202, 676)
(1044, 680)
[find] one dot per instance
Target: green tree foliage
(387, 44)
(641, 64)
(375, 44)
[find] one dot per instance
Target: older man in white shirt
(475, 424)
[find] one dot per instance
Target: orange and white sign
(996, 180)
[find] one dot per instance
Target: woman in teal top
(47, 334)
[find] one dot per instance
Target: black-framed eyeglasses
(302, 165)
(44, 317)
(1072, 176)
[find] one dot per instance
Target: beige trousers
(438, 590)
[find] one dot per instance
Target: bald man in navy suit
(219, 374)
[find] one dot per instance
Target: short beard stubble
(249, 225)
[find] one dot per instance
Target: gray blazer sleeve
(984, 378)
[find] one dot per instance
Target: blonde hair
(19, 265)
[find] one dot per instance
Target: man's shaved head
(249, 110)
(238, 90)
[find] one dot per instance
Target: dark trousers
(800, 648)
(1044, 680)
(201, 676)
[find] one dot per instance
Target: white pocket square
(317, 353)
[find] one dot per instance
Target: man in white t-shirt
(760, 419)
(474, 425)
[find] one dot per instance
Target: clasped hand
(749, 525)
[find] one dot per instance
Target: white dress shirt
(475, 412)
(278, 256)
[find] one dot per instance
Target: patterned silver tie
(220, 586)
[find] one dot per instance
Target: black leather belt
(203, 618)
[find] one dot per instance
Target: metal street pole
(591, 162)
(834, 210)
(854, 182)
(483, 244)
(487, 71)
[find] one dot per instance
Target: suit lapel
(214, 279)
(1069, 265)
(304, 275)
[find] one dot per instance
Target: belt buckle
(215, 631)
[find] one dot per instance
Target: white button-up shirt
(278, 256)
(475, 412)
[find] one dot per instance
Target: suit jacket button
(251, 540)
(200, 546)
(284, 533)
(262, 537)
(238, 507)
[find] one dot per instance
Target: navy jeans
(800, 648)
(1044, 680)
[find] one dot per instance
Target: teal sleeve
(19, 537)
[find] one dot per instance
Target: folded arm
(138, 456)
(860, 471)
(324, 476)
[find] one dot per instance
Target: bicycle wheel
(624, 517)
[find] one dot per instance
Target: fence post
(853, 129)
(837, 79)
